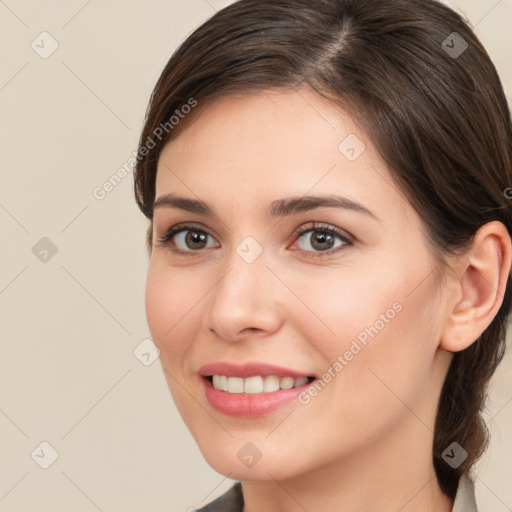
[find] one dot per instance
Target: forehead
(265, 145)
(243, 122)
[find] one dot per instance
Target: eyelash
(166, 239)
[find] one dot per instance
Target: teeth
(257, 384)
(270, 384)
(286, 383)
(252, 385)
(223, 381)
(300, 382)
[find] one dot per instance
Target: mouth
(254, 396)
(252, 389)
(257, 384)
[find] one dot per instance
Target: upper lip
(249, 369)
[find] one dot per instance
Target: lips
(246, 404)
(250, 369)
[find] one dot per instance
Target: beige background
(69, 325)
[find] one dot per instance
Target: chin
(236, 463)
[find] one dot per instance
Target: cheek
(158, 303)
(169, 302)
(383, 335)
(171, 318)
(380, 317)
(338, 306)
(399, 340)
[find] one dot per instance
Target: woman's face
(356, 308)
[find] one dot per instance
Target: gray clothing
(233, 501)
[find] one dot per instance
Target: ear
(479, 286)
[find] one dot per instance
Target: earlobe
(480, 287)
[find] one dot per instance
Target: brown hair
(434, 109)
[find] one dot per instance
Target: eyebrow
(277, 208)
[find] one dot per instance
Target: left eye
(323, 239)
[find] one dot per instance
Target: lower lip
(249, 405)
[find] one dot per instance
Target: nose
(245, 301)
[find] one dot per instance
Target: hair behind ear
(463, 399)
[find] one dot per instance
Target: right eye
(190, 237)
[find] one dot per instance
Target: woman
(329, 279)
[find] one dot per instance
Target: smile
(257, 384)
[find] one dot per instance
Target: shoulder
(465, 500)
(231, 501)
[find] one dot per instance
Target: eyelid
(169, 233)
(343, 235)
(322, 226)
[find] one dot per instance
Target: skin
(365, 441)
